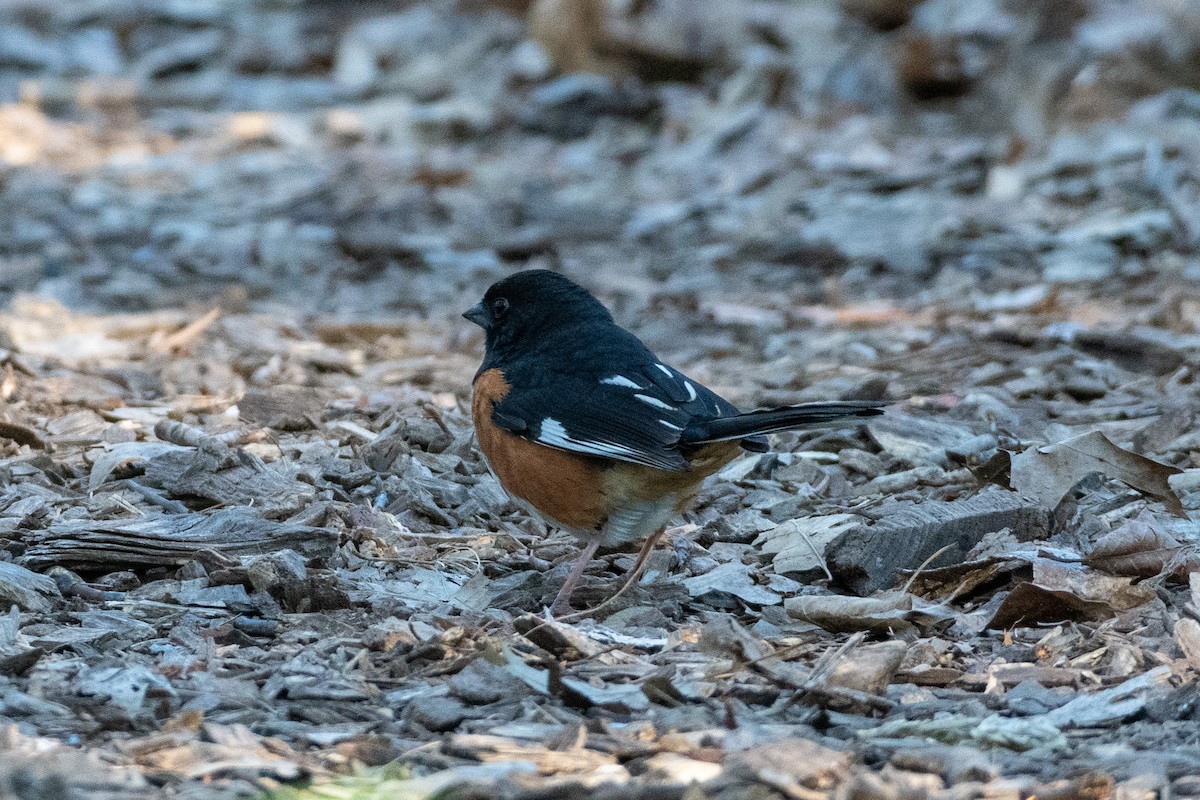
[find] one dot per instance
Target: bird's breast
(563, 487)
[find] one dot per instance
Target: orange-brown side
(565, 487)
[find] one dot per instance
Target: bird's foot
(562, 601)
(559, 609)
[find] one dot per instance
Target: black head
(530, 306)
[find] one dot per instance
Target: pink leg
(562, 600)
(639, 566)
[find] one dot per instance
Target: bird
(586, 428)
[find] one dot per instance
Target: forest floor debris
(247, 544)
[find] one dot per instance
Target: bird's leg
(562, 600)
(635, 574)
(639, 566)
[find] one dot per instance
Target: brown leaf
(1088, 584)
(1187, 636)
(1062, 591)
(1141, 548)
(961, 581)
(22, 434)
(1029, 604)
(1046, 474)
(886, 613)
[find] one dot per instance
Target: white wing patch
(670, 425)
(553, 433)
(678, 380)
(654, 401)
(621, 380)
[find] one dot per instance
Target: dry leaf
(1029, 604)
(1120, 593)
(118, 454)
(1046, 474)
(1187, 636)
(732, 578)
(796, 767)
(22, 434)
(1111, 705)
(1062, 591)
(1141, 548)
(960, 581)
(888, 612)
(799, 544)
(723, 636)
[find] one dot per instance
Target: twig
(185, 435)
(155, 498)
(924, 564)
(180, 339)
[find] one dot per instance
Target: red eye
(499, 308)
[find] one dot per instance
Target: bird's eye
(499, 308)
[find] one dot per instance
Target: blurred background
(395, 157)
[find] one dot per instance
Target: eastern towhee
(589, 429)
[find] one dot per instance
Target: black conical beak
(477, 314)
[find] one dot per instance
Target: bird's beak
(477, 314)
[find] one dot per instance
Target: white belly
(638, 521)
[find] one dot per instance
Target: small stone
(1143, 231)
(673, 768)
(191, 570)
(270, 571)
(123, 581)
(137, 693)
(436, 714)
(572, 105)
(22, 49)
(482, 682)
(794, 766)
(869, 668)
(883, 15)
(28, 590)
(955, 764)
(1085, 387)
(458, 119)
(895, 230)
(868, 464)
(390, 41)
(185, 54)
(983, 19)
(1085, 261)
(528, 61)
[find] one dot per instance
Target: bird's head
(532, 305)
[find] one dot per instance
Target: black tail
(771, 420)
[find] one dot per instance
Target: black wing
(635, 414)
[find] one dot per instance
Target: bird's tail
(772, 420)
